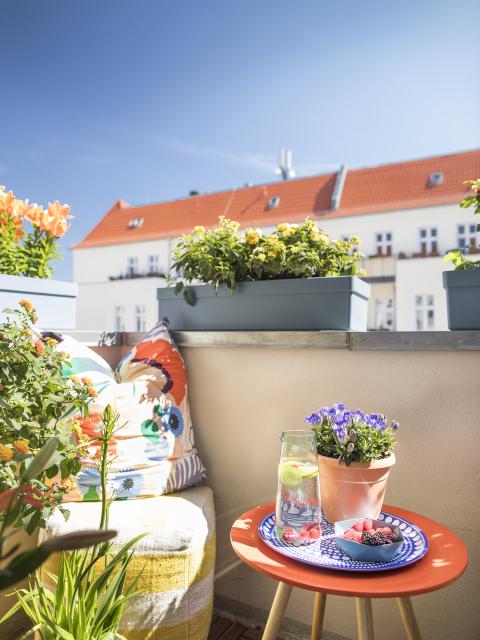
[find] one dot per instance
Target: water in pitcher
(298, 513)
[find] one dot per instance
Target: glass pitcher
(298, 513)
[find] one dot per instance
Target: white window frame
(467, 235)
(132, 266)
(384, 314)
(153, 262)
(425, 312)
(383, 244)
(139, 318)
(429, 241)
(119, 318)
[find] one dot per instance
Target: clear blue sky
(147, 99)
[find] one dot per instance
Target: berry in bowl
(368, 540)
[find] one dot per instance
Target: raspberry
(358, 526)
(367, 524)
(386, 530)
(290, 535)
(352, 535)
(314, 533)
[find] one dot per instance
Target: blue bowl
(365, 552)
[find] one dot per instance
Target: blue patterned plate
(325, 554)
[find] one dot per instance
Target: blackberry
(374, 539)
(392, 537)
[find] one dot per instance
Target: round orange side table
(445, 561)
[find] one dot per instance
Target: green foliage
(369, 444)
(20, 565)
(223, 256)
(457, 258)
(36, 404)
(38, 251)
(90, 593)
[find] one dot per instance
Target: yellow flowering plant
(225, 256)
(36, 404)
(30, 253)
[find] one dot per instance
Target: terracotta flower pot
(355, 491)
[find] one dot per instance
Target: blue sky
(144, 100)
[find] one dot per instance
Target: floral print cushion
(153, 452)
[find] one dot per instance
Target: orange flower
(26, 304)
(92, 392)
(39, 347)
(87, 381)
(6, 454)
(75, 379)
(21, 447)
(53, 220)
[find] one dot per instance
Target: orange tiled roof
(401, 185)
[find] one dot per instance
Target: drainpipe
(338, 188)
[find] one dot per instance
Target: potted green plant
(29, 236)
(293, 278)
(355, 454)
(462, 285)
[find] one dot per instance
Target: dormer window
(274, 202)
(435, 179)
(135, 223)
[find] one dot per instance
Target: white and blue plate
(325, 554)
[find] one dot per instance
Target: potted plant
(463, 284)
(294, 278)
(29, 236)
(355, 454)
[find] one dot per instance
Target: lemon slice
(291, 475)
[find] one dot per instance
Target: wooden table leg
(408, 618)
(365, 630)
(318, 615)
(277, 611)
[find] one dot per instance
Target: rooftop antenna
(285, 167)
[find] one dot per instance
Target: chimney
(338, 188)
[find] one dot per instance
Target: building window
(383, 243)
(428, 241)
(153, 264)
(384, 319)
(467, 235)
(119, 318)
(139, 319)
(425, 312)
(132, 266)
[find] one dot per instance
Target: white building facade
(404, 249)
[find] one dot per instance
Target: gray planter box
(54, 300)
(463, 298)
(308, 304)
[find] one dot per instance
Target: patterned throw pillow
(153, 451)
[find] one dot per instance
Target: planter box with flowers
(462, 285)
(294, 279)
(354, 459)
(25, 259)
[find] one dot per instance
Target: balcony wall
(246, 388)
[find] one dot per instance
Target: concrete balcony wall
(244, 394)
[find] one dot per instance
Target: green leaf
(189, 297)
(40, 461)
